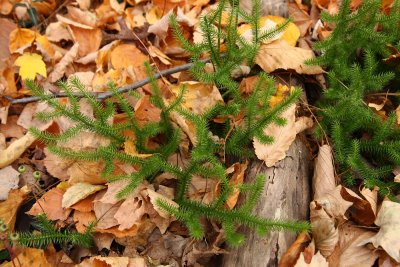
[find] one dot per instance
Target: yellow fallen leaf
(15, 150)
(30, 65)
(77, 192)
(291, 33)
(282, 92)
(130, 149)
(20, 39)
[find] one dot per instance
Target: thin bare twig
(102, 96)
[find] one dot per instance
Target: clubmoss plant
(205, 159)
(366, 146)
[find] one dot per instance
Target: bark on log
(286, 195)
(268, 7)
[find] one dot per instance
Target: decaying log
(268, 7)
(286, 195)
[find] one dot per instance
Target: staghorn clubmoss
(205, 154)
(366, 146)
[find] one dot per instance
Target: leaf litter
(77, 41)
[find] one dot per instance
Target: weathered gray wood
(286, 196)
(268, 7)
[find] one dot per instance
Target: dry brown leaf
(4, 114)
(125, 55)
(46, 48)
(20, 39)
(324, 230)
(85, 205)
(58, 31)
(105, 213)
(50, 204)
(324, 173)
(11, 128)
(103, 240)
(100, 80)
(110, 196)
(138, 229)
(160, 28)
(203, 190)
(157, 53)
(9, 207)
(60, 67)
(155, 196)
(77, 171)
(9, 179)
(291, 255)
(29, 257)
(198, 97)
(146, 112)
(398, 114)
(349, 252)
(71, 22)
(82, 16)
(388, 236)
(283, 137)
(77, 192)
(83, 220)
(131, 211)
(89, 40)
(7, 26)
(301, 18)
(16, 149)
(280, 55)
(363, 211)
(317, 261)
(99, 261)
(27, 118)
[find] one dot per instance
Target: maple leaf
(31, 64)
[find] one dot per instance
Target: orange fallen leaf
(89, 40)
(10, 206)
(290, 257)
(45, 7)
(20, 39)
(238, 170)
(50, 204)
(29, 257)
(125, 55)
